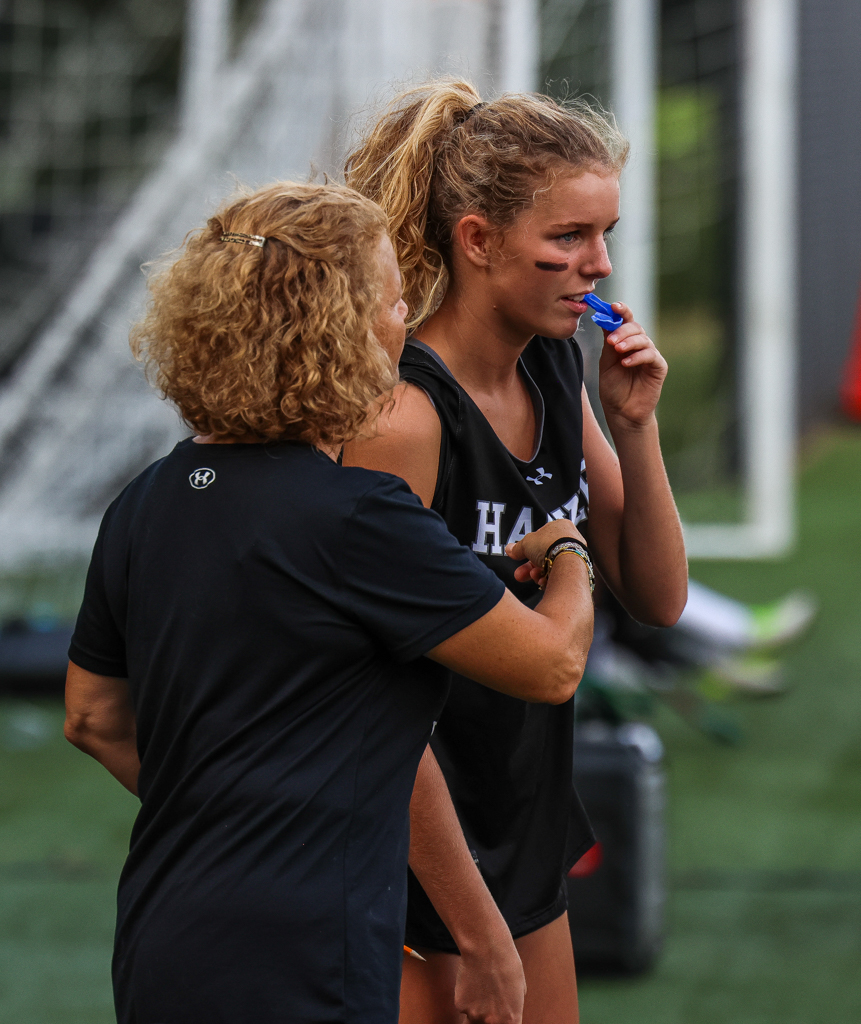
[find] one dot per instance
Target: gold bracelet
(575, 548)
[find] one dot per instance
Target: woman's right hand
(534, 547)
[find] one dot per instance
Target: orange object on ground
(850, 390)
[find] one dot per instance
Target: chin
(560, 330)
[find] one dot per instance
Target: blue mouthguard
(605, 318)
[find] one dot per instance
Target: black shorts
(535, 898)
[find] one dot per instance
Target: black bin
(617, 891)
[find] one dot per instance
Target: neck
(332, 450)
(213, 439)
(475, 343)
(327, 449)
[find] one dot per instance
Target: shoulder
(404, 439)
(405, 415)
(409, 411)
(420, 365)
(135, 490)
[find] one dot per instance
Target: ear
(476, 238)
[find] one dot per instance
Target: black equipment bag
(616, 892)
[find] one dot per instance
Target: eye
(609, 231)
(569, 236)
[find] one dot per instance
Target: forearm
(122, 761)
(118, 755)
(100, 721)
(567, 604)
(650, 562)
(490, 984)
(443, 864)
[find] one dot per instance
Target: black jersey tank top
(508, 763)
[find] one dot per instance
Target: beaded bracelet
(575, 547)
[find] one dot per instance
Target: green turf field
(765, 840)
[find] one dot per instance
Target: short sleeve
(405, 577)
(97, 643)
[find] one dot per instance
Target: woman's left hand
(631, 372)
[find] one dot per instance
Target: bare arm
(100, 721)
(490, 983)
(404, 440)
(634, 529)
(535, 655)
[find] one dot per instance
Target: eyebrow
(579, 224)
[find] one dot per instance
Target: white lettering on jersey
(522, 526)
(570, 510)
(489, 527)
(571, 507)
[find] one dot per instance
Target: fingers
(515, 551)
(530, 550)
(623, 311)
(522, 572)
(644, 357)
(634, 347)
(557, 529)
(528, 571)
(629, 330)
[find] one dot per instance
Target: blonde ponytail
(438, 153)
(395, 165)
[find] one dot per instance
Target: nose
(598, 263)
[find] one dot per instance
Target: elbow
(86, 731)
(565, 664)
(663, 610)
(75, 730)
(672, 610)
(562, 677)
(663, 618)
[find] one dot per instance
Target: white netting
(76, 418)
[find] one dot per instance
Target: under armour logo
(201, 478)
(540, 477)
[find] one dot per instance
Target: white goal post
(766, 271)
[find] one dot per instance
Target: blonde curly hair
(438, 152)
(272, 342)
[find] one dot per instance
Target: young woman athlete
(500, 213)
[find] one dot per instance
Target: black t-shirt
(269, 609)
(508, 763)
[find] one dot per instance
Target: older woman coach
(248, 655)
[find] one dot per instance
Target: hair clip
(237, 236)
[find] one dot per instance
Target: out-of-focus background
(123, 123)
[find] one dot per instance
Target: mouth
(575, 303)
